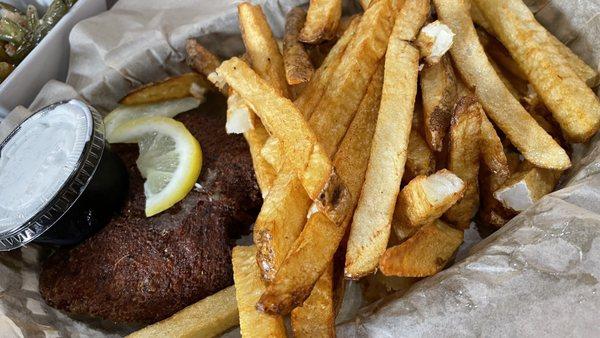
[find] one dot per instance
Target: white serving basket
(49, 60)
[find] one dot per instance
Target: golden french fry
(424, 254)
(265, 175)
(492, 150)
(272, 152)
(322, 21)
(574, 106)
(283, 120)
(527, 186)
(463, 159)
(582, 69)
(209, 317)
(200, 58)
(364, 4)
(370, 229)
(412, 14)
(176, 87)
(298, 68)
(312, 93)
(433, 41)
(438, 92)
(492, 212)
(419, 159)
(508, 114)
(425, 199)
(248, 288)
(315, 318)
(320, 238)
(499, 54)
(261, 47)
(351, 78)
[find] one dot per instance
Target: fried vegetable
(424, 254)
(499, 53)
(433, 41)
(370, 229)
(463, 160)
(492, 151)
(315, 318)
(508, 114)
(438, 91)
(322, 21)
(574, 106)
(524, 188)
(272, 152)
(298, 68)
(265, 175)
(176, 87)
(425, 199)
(320, 238)
(364, 4)
(420, 159)
(412, 14)
(248, 288)
(314, 90)
(262, 47)
(200, 58)
(209, 317)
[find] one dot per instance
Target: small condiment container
(59, 181)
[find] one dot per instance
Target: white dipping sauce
(38, 159)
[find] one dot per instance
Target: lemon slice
(170, 159)
(169, 108)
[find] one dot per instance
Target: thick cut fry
(412, 14)
(316, 245)
(582, 69)
(371, 225)
(311, 95)
(176, 87)
(574, 106)
(283, 120)
(248, 287)
(424, 254)
(272, 152)
(315, 318)
(492, 212)
(524, 188)
(433, 41)
(492, 151)
(262, 47)
(463, 159)
(322, 21)
(265, 175)
(351, 78)
(425, 199)
(200, 58)
(298, 68)
(420, 160)
(499, 54)
(209, 317)
(508, 114)
(438, 91)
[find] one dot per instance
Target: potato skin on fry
(316, 316)
(572, 103)
(463, 159)
(424, 254)
(298, 68)
(322, 21)
(508, 114)
(176, 87)
(438, 91)
(420, 160)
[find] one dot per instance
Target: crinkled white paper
(538, 276)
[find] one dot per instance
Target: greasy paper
(536, 276)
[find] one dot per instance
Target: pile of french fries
(377, 139)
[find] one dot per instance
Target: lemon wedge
(170, 159)
(169, 108)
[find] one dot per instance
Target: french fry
(508, 114)
(425, 199)
(312, 93)
(412, 14)
(200, 58)
(419, 159)
(370, 229)
(320, 238)
(491, 212)
(424, 254)
(248, 288)
(492, 151)
(364, 4)
(283, 120)
(433, 41)
(298, 68)
(524, 188)
(265, 175)
(322, 21)
(351, 78)
(176, 87)
(315, 318)
(209, 317)
(582, 69)
(272, 152)
(499, 54)
(261, 47)
(574, 106)
(438, 92)
(463, 159)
